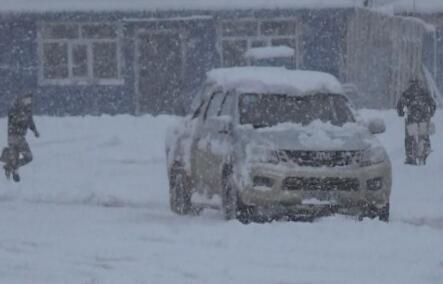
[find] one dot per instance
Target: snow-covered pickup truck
(267, 142)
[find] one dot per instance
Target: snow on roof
(275, 80)
(428, 27)
(157, 5)
(269, 52)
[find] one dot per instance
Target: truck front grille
(320, 158)
(321, 184)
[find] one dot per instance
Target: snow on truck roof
(268, 52)
(275, 80)
(159, 5)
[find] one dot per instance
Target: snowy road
(93, 208)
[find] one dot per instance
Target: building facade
(433, 44)
(112, 62)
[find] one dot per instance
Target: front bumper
(279, 198)
(312, 212)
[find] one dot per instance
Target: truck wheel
(229, 200)
(179, 190)
(383, 213)
(229, 195)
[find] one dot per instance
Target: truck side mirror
(222, 124)
(376, 126)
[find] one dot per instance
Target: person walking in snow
(420, 107)
(19, 120)
(367, 3)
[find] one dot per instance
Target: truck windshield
(264, 110)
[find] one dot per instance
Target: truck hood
(317, 136)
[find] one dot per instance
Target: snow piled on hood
(317, 134)
(319, 139)
(316, 125)
(274, 80)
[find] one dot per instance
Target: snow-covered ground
(93, 208)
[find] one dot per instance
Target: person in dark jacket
(19, 121)
(420, 107)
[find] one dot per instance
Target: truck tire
(229, 195)
(179, 190)
(383, 213)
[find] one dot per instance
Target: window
(239, 28)
(105, 60)
(278, 27)
(80, 60)
(74, 53)
(259, 43)
(60, 31)
(100, 31)
(264, 110)
(237, 36)
(290, 42)
(233, 51)
(214, 105)
(227, 105)
(342, 111)
(198, 109)
(55, 56)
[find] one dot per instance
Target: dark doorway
(159, 61)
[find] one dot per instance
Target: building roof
(414, 6)
(159, 5)
(274, 80)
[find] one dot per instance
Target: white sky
(85, 5)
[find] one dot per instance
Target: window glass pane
(55, 60)
(260, 110)
(99, 31)
(290, 42)
(239, 28)
(258, 43)
(80, 60)
(278, 28)
(233, 52)
(105, 60)
(227, 105)
(198, 100)
(214, 105)
(342, 110)
(60, 31)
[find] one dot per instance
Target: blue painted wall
(324, 39)
(323, 43)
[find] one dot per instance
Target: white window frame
(89, 79)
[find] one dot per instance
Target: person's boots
(410, 161)
(7, 171)
(15, 175)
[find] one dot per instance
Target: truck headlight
(262, 182)
(260, 155)
(374, 183)
(373, 156)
